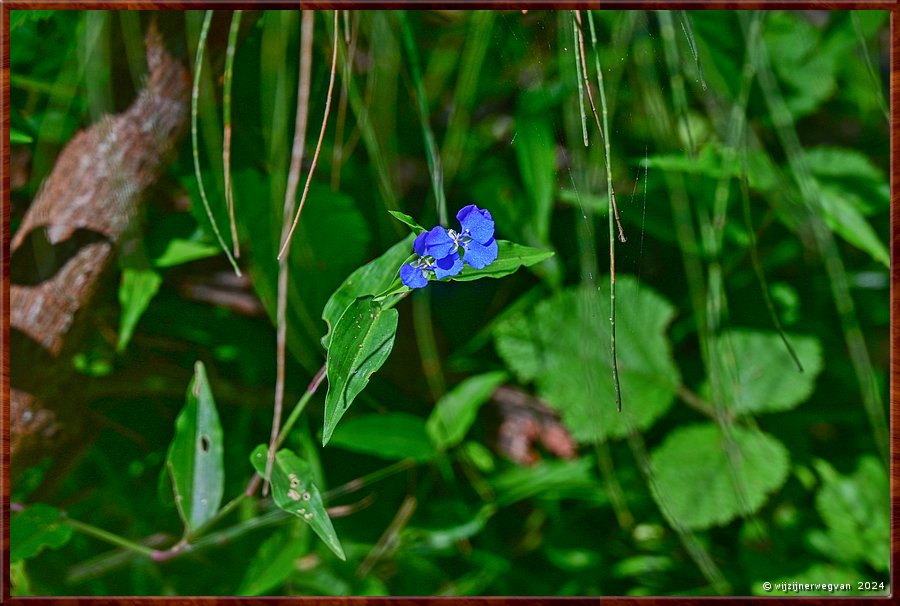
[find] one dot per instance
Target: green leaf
(535, 147)
(275, 560)
(295, 492)
(455, 412)
(697, 471)
(389, 436)
(370, 279)
(179, 251)
(554, 480)
(767, 378)
(563, 345)
(17, 136)
(856, 510)
(408, 221)
(846, 220)
(194, 459)
(18, 579)
(825, 161)
(710, 163)
(137, 289)
(362, 341)
(510, 257)
(20, 17)
(34, 528)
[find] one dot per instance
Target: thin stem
(226, 135)
(315, 159)
(113, 539)
(303, 86)
(612, 210)
(195, 96)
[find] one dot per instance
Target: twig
(315, 159)
(290, 195)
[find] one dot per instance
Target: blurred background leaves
(727, 466)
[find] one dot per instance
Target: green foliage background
(727, 467)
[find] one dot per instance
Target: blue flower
(438, 249)
(476, 237)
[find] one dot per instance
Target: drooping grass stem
(195, 97)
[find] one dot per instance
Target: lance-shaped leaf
(295, 492)
(194, 459)
(510, 257)
(361, 342)
(408, 221)
(372, 278)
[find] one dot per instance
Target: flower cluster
(439, 249)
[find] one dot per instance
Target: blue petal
(419, 244)
(478, 223)
(480, 256)
(438, 243)
(412, 276)
(448, 266)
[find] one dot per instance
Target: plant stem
(113, 539)
(226, 134)
(195, 97)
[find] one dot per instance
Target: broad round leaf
(564, 346)
(703, 479)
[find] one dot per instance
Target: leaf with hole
(194, 459)
(362, 341)
(295, 492)
(34, 528)
(704, 479)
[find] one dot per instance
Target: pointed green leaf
(846, 220)
(137, 289)
(370, 279)
(275, 560)
(392, 436)
(295, 492)
(767, 378)
(408, 221)
(455, 412)
(563, 345)
(195, 455)
(362, 341)
(17, 136)
(510, 257)
(704, 480)
(179, 251)
(34, 528)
